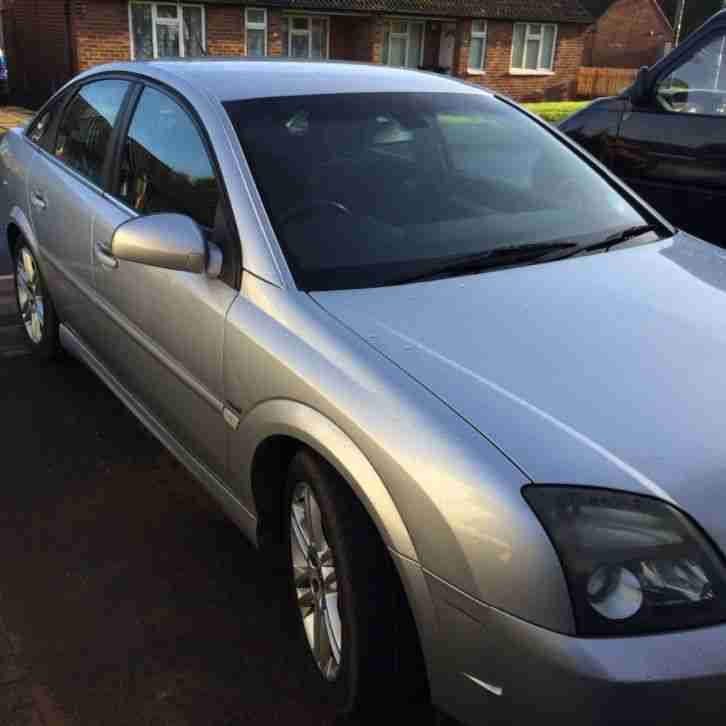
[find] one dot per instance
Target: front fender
(290, 418)
(18, 218)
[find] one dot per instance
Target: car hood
(604, 370)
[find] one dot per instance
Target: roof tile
(552, 10)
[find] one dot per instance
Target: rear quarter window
(41, 129)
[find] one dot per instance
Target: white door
(446, 46)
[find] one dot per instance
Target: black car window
(363, 189)
(164, 163)
(39, 131)
(85, 130)
(698, 85)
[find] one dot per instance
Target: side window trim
(111, 169)
(235, 278)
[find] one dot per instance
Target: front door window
(698, 85)
(164, 163)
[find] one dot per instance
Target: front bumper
(490, 667)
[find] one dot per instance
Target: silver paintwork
(435, 402)
(171, 241)
(316, 581)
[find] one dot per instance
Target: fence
(596, 82)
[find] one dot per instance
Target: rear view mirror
(171, 241)
(638, 92)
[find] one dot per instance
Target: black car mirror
(638, 92)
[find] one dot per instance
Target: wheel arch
(283, 426)
(19, 225)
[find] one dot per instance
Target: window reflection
(85, 131)
(164, 165)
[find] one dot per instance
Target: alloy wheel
(315, 580)
(30, 295)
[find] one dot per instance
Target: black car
(666, 134)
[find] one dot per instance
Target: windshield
(366, 189)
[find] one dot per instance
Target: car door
(164, 329)
(672, 143)
(66, 190)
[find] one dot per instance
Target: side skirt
(231, 506)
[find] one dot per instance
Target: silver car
(457, 381)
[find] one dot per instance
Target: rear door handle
(38, 200)
(104, 256)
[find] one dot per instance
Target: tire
(35, 306)
(375, 657)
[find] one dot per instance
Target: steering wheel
(312, 207)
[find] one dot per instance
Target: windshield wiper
(624, 235)
(498, 257)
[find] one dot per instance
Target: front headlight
(633, 564)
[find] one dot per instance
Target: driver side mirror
(639, 91)
(170, 241)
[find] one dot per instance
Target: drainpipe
(678, 24)
(70, 40)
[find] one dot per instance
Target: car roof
(247, 78)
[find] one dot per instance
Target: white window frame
(483, 35)
(178, 21)
(407, 37)
(256, 26)
(540, 70)
(307, 33)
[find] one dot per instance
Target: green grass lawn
(555, 112)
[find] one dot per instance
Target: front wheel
(345, 595)
(34, 304)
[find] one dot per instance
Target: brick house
(627, 33)
(529, 49)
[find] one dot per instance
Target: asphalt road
(129, 598)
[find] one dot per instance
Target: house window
(166, 30)
(533, 48)
(478, 46)
(256, 31)
(403, 44)
(304, 36)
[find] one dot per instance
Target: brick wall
(225, 30)
(558, 86)
(39, 58)
(101, 32)
(632, 33)
(39, 62)
(274, 33)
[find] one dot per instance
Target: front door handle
(104, 256)
(38, 200)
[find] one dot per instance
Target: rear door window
(84, 134)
